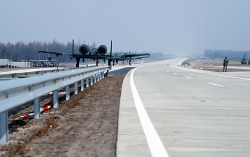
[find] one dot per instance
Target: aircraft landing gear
(77, 62)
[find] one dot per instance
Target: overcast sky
(169, 26)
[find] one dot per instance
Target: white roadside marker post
(67, 92)
(4, 128)
(76, 88)
(37, 108)
(87, 82)
(55, 99)
(82, 85)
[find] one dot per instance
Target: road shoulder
(131, 140)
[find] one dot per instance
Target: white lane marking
(215, 84)
(156, 147)
(188, 77)
(240, 78)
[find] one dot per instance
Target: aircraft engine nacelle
(84, 49)
(102, 49)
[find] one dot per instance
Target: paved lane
(195, 113)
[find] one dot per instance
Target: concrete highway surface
(169, 110)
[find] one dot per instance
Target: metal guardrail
(14, 93)
(11, 75)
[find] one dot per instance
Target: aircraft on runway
(129, 57)
(97, 54)
(85, 52)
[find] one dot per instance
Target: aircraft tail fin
(73, 47)
(110, 57)
(111, 50)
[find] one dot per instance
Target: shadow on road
(120, 71)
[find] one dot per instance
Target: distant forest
(21, 51)
(29, 51)
(226, 53)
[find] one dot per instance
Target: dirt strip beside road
(86, 125)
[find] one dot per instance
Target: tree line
(226, 53)
(29, 51)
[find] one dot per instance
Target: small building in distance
(7, 63)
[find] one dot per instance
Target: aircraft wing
(143, 55)
(130, 56)
(139, 57)
(92, 56)
(55, 53)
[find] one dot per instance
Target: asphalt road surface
(168, 110)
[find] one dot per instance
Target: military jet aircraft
(129, 57)
(85, 52)
(97, 54)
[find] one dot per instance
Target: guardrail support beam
(82, 85)
(102, 75)
(98, 77)
(76, 88)
(91, 80)
(37, 108)
(67, 92)
(55, 99)
(4, 128)
(87, 82)
(95, 78)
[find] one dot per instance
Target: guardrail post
(4, 128)
(98, 77)
(95, 78)
(55, 99)
(102, 75)
(87, 82)
(67, 92)
(76, 88)
(82, 85)
(91, 80)
(37, 108)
